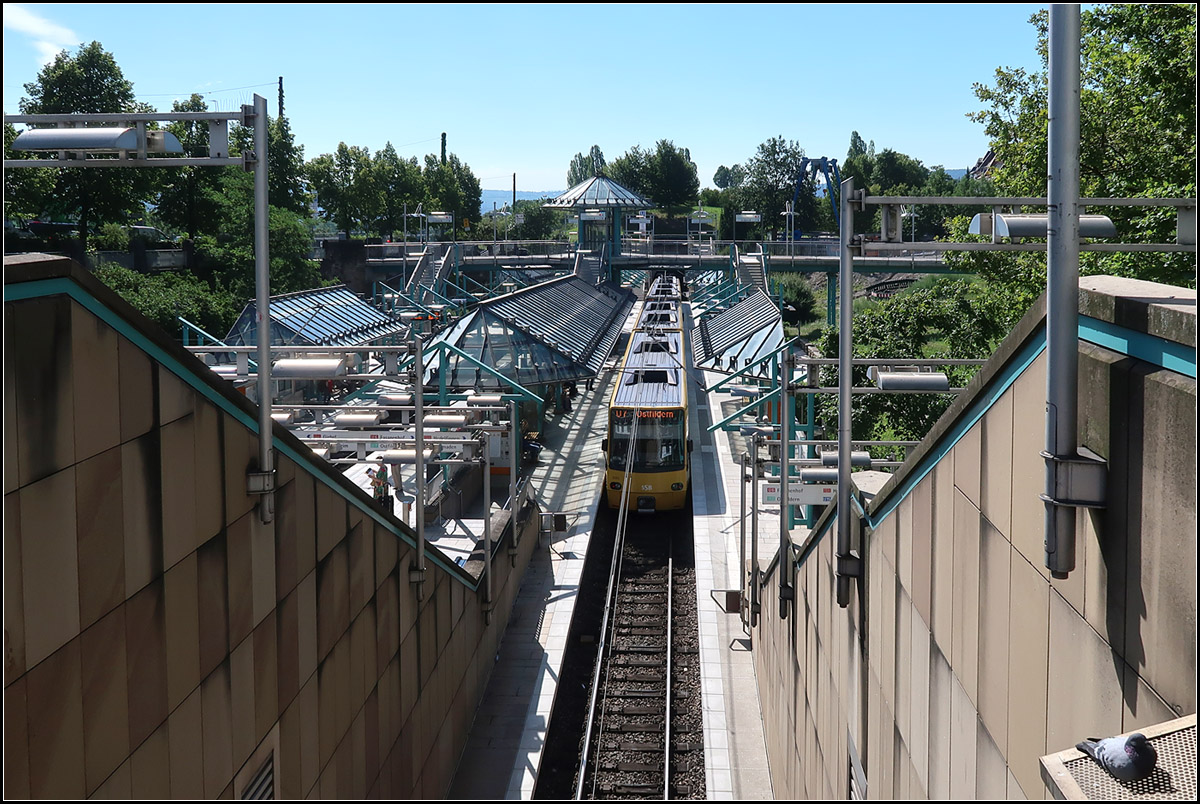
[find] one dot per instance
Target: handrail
(188, 325)
(771, 356)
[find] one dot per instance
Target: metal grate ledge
(1074, 776)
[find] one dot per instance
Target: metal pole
(1062, 279)
(846, 289)
(742, 535)
(514, 446)
(417, 575)
(262, 286)
(755, 606)
(785, 510)
(487, 530)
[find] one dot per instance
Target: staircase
(428, 274)
(750, 270)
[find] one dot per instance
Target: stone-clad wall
(160, 641)
(960, 661)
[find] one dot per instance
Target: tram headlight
(676, 487)
(615, 485)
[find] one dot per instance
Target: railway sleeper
(632, 661)
(635, 677)
(636, 728)
(628, 746)
(630, 789)
(686, 746)
(652, 693)
(641, 630)
(632, 767)
(639, 649)
(638, 710)
(681, 766)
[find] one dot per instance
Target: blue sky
(523, 88)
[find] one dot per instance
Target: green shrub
(111, 237)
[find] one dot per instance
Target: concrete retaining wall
(160, 641)
(960, 661)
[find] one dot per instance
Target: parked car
(153, 237)
(49, 230)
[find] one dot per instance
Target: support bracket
(260, 482)
(1080, 480)
(850, 566)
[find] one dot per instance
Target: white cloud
(46, 37)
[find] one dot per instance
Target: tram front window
(658, 444)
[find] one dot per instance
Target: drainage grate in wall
(1073, 775)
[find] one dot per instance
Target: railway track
(644, 737)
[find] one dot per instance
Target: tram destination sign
(799, 493)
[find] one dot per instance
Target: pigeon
(1128, 759)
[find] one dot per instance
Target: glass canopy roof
(558, 331)
(324, 317)
(599, 192)
(744, 334)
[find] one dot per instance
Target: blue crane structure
(832, 183)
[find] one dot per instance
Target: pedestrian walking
(381, 487)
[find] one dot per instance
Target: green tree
(346, 192)
(771, 177)
(164, 297)
(90, 82)
(230, 256)
(673, 177)
(894, 171)
(799, 302)
(632, 171)
(450, 186)
(285, 169)
(946, 317)
(1137, 139)
(729, 177)
(399, 183)
(585, 167)
(859, 163)
(540, 222)
(26, 190)
(190, 197)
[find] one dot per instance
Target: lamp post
(845, 354)
(755, 605)
(790, 214)
(416, 575)
(262, 286)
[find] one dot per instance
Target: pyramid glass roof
(599, 192)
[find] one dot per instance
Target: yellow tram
(648, 452)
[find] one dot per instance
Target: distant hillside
(503, 198)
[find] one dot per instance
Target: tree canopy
(584, 167)
(89, 82)
(1138, 139)
(666, 176)
(1137, 135)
